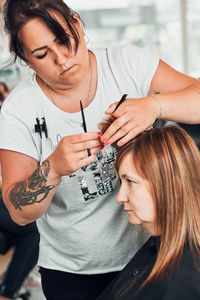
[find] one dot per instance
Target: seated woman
(160, 190)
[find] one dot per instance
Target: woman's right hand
(71, 153)
(28, 189)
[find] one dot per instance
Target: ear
(77, 19)
(76, 16)
(78, 22)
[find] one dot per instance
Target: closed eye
(41, 56)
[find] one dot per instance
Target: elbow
(17, 215)
(19, 220)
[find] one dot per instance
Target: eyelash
(41, 56)
(130, 181)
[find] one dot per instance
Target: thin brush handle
(120, 101)
(83, 117)
(84, 124)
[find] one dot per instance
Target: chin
(134, 220)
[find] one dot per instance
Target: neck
(151, 228)
(67, 97)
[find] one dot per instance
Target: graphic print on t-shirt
(98, 178)
(93, 181)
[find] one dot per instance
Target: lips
(67, 70)
(127, 211)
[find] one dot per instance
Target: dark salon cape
(183, 285)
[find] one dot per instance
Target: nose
(122, 196)
(60, 56)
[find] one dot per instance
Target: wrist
(45, 172)
(158, 109)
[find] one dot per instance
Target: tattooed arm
(33, 190)
(27, 188)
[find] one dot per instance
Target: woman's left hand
(133, 117)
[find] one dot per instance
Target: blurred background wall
(170, 28)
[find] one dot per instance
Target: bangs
(47, 15)
(47, 11)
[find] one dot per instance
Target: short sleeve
(15, 135)
(133, 66)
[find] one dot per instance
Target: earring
(86, 39)
(30, 71)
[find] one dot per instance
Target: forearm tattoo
(32, 190)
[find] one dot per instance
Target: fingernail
(99, 134)
(107, 143)
(120, 144)
(102, 146)
(103, 139)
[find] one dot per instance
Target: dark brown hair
(170, 160)
(19, 12)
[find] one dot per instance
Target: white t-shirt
(84, 230)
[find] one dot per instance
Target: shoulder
(135, 64)
(127, 50)
(22, 97)
(127, 282)
(130, 52)
(184, 283)
(189, 267)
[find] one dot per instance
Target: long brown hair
(169, 159)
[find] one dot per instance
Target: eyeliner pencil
(121, 101)
(84, 124)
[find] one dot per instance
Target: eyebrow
(124, 176)
(42, 48)
(37, 49)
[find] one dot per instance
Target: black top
(184, 284)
